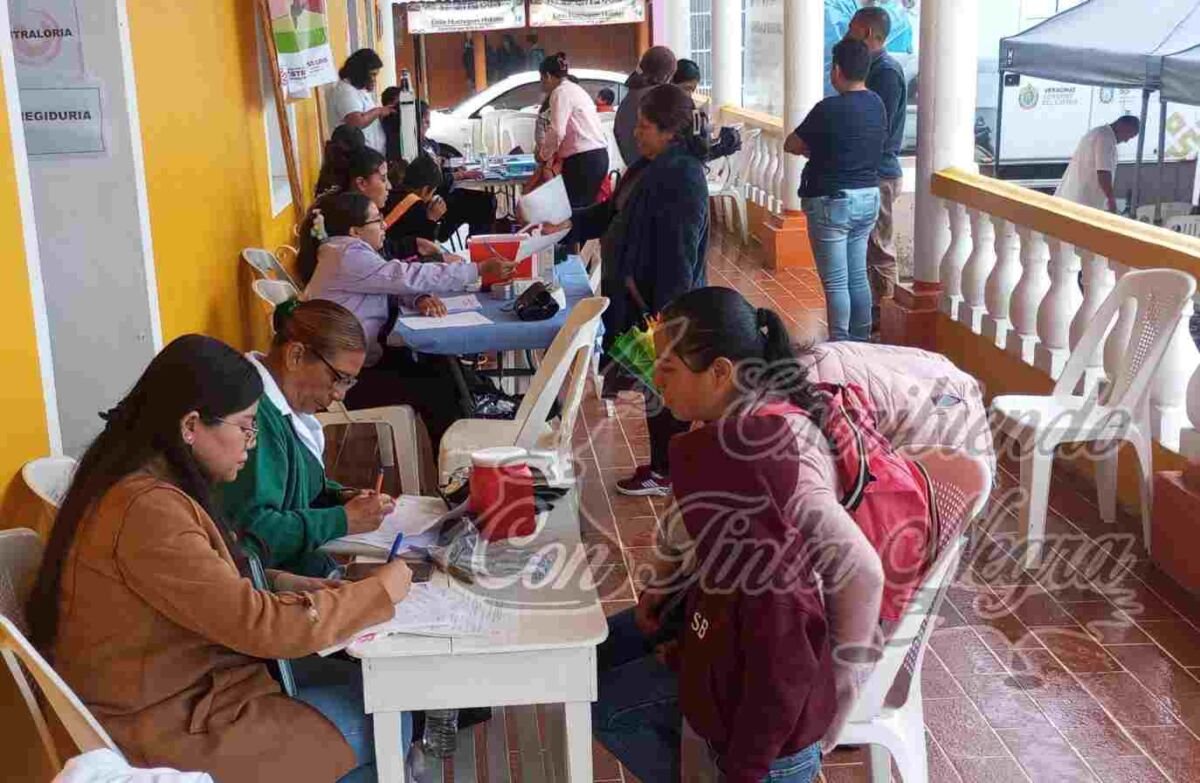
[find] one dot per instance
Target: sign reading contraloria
(45, 40)
(464, 16)
(301, 35)
(563, 13)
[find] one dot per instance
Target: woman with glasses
(282, 500)
(350, 271)
(145, 606)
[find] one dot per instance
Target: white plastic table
(546, 654)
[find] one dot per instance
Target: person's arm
(254, 503)
(1106, 164)
(890, 89)
(165, 555)
(361, 119)
(346, 105)
(364, 271)
(675, 236)
(590, 222)
(1105, 178)
(556, 131)
(800, 141)
(794, 145)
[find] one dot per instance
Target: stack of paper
(454, 304)
(415, 517)
(454, 320)
(431, 611)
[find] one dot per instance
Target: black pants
(400, 378)
(582, 174)
(662, 426)
(476, 208)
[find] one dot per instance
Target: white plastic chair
(1184, 224)
(267, 265)
(517, 130)
(889, 715)
(616, 161)
(275, 292)
(410, 442)
(49, 478)
(1120, 413)
(728, 185)
(490, 130)
(20, 558)
(564, 365)
(1170, 209)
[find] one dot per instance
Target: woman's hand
(396, 577)
(426, 247)
(283, 582)
(366, 510)
(500, 268)
(647, 615)
(431, 307)
(436, 209)
(554, 228)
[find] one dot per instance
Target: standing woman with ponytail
(144, 606)
(574, 135)
(653, 237)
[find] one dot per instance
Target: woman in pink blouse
(574, 137)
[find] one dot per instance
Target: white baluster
(1118, 337)
(1168, 394)
(778, 174)
(757, 192)
(1001, 282)
(1098, 282)
(956, 256)
(1027, 296)
(975, 272)
(1058, 309)
(1189, 438)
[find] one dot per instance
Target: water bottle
(441, 733)
(406, 105)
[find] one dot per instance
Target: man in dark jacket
(656, 67)
(886, 79)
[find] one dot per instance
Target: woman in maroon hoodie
(750, 673)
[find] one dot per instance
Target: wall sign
(460, 16)
(301, 32)
(46, 42)
(563, 13)
(62, 120)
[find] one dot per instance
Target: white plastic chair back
(568, 354)
(20, 558)
(275, 292)
(267, 265)
(1146, 212)
(490, 130)
(411, 447)
(1160, 296)
(616, 162)
(49, 478)
(517, 130)
(743, 158)
(21, 658)
(1184, 224)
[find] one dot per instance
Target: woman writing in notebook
(144, 605)
(282, 497)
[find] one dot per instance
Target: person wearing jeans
(843, 138)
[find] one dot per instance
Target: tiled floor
(1086, 669)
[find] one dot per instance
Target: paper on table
(547, 203)
(413, 516)
(453, 320)
(454, 304)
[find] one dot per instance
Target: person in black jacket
(653, 236)
(414, 209)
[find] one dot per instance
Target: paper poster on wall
(461, 16)
(46, 42)
(301, 34)
(62, 120)
(564, 13)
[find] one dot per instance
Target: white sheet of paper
(535, 244)
(454, 320)
(414, 516)
(454, 304)
(547, 203)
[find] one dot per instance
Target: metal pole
(1162, 157)
(999, 127)
(1141, 151)
(424, 69)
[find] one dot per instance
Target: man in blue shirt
(872, 26)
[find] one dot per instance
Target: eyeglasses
(372, 222)
(340, 379)
(251, 431)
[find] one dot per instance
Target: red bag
(888, 495)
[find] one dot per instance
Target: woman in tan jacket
(144, 604)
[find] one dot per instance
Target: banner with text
(465, 16)
(301, 32)
(567, 13)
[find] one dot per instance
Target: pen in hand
(395, 547)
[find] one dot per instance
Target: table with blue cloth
(506, 332)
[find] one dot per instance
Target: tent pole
(1141, 151)
(1162, 157)
(999, 127)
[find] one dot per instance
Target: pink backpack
(889, 496)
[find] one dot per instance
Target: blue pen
(395, 547)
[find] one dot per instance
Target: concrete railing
(1011, 275)
(764, 180)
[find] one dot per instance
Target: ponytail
(672, 110)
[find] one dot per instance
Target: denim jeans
(838, 229)
(637, 715)
(333, 687)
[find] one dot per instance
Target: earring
(188, 439)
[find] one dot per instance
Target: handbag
(536, 304)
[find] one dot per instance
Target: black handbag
(536, 304)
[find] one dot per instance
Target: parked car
(459, 127)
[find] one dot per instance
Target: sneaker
(645, 483)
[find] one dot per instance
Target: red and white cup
(502, 493)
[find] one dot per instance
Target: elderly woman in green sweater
(282, 500)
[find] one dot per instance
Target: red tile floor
(1086, 669)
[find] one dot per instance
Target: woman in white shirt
(352, 101)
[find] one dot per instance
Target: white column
(678, 27)
(803, 79)
(1057, 309)
(386, 48)
(726, 54)
(946, 134)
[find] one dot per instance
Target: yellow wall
(206, 160)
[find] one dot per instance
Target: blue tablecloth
(506, 332)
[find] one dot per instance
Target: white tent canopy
(1181, 77)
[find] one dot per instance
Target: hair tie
(762, 320)
(318, 226)
(284, 311)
